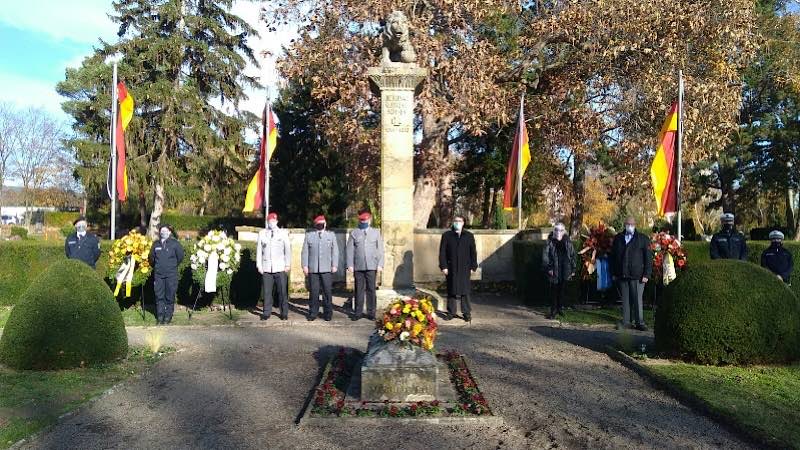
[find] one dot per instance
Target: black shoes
(467, 318)
(311, 319)
(284, 317)
(641, 327)
(354, 317)
(264, 317)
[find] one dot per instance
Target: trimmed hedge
(59, 219)
(20, 261)
(728, 312)
(532, 285)
(203, 224)
(66, 318)
(19, 231)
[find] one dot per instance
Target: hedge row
(58, 219)
(21, 262)
(532, 285)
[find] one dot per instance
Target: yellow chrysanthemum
(389, 326)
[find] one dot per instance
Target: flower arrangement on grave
(596, 245)
(128, 261)
(409, 322)
(667, 254)
(214, 260)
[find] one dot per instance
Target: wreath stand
(223, 295)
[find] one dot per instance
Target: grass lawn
(764, 400)
(133, 317)
(32, 400)
(599, 316)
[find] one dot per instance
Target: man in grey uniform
(273, 260)
(319, 258)
(365, 260)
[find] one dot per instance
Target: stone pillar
(397, 84)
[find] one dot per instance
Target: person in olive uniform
(558, 262)
(273, 261)
(457, 258)
(165, 256)
(728, 243)
(777, 259)
(320, 258)
(364, 255)
(631, 267)
(82, 245)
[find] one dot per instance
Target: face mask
(80, 228)
(319, 226)
(458, 226)
(777, 243)
(363, 225)
(629, 229)
(727, 226)
(164, 234)
(272, 224)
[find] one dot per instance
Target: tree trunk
(698, 223)
(432, 163)
(158, 208)
(492, 209)
(205, 200)
(142, 208)
(446, 200)
(789, 210)
(579, 194)
(487, 192)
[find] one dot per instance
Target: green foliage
(728, 312)
(499, 218)
(19, 231)
(203, 224)
(66, 230)
(60, 219)
(66, 318)
(532, 284)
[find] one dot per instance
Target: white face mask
(559, 233)
(80, 227)
(164, 234)
(272, 224)
(630, 228)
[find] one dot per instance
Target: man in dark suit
(320, 260)
(165, 256)
(631, 268)
(82, 245)
(457, 259)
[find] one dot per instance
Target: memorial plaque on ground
(395, 373)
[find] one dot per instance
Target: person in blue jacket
(777, 259)
(82, 245)
(165, 256)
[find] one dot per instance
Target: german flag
(662, 171)
(269, 140)
(124, 116)
(517, 162)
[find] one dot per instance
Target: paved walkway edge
(696, 403)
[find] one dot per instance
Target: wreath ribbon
(211, 272)
(125, 274)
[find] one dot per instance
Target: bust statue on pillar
(396, 81)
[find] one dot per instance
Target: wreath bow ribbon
(211, 272)
(125, 274)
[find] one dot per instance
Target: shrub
(532, 284)
(19, 231)
(67, 230)
(66, 318)
(728, 312)
(59, 219)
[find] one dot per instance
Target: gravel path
(244, 387)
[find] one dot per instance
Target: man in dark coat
(165, 256)
(457, 258)
(631, 267)
(558, 262)
(777, 259)
(728, 243)
(82, 245)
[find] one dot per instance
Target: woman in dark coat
(457, 258)
(558, 263)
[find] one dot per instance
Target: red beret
(366, 215)
(319, 218)
(272, 216)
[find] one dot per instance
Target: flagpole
(114, 153)
(519, 162)
(680, 154)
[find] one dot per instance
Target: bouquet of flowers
(409, 322)
(214, 260)
(127, 261)
(667, 254)
(597, 243)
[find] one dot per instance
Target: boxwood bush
(66, 318)
(728, 312)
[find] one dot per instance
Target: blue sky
(39, 39)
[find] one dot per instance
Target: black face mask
(319, 226)
(727, 227)
(777, 244)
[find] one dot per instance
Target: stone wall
(495, 254)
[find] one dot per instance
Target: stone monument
(393, 373)
(396, 81)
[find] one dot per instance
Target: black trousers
(557, 296)
(165, 289)
(365, 288)
(317, 280)
(466, 309)
(278, 279)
